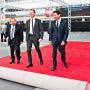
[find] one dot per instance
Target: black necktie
(32, 24)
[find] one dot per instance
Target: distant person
(3, 30)
(34, 34)
(23, 26)
(58, 38)
(14, 33)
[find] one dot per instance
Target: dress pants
(54, 53)
(2, 37)
(14, 48)
(33, 40)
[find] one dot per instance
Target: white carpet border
(41, 80)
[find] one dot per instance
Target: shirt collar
(12, 26)
(33, 18)
(59, 19)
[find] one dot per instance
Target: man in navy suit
(14, 33)
(58, 37)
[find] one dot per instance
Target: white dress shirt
(31, 27)
(12, 31)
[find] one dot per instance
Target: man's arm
(41, 30)
(21, 34)
(50, 32)
(66, 32)
(27, 30)
(7, 32)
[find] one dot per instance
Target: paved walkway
(4, 51)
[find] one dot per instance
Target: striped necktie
(12, 33)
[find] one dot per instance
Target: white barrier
(41, 80)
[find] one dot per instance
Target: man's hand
(21, 42)
(50, 42)
(40, 40)
(62, 43)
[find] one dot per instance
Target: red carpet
(78, 59)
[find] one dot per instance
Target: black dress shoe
(41, 62)
(30, 65)
(65, 65)
(18, 62)
(11, 62)
(53, 69)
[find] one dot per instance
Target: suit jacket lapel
(28, 25)
(9, 29)
(55, 24)
(15, 29)
(60, 25)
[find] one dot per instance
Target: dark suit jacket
(18, 35)
(58, 34)
(37, 31)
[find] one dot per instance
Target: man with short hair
(34, 34)
(58, 37)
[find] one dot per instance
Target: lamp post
(2, 13)
(69, 19)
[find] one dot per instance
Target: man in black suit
(34, 34)
(14, 33)
(58, 36)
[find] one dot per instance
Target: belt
(12, 39)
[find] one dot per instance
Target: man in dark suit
(58, 36)
(34, 34)
(14, 33)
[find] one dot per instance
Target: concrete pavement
(4, 51)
